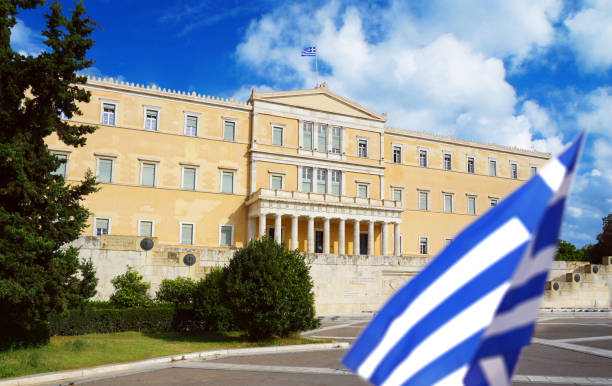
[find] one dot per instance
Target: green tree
(604, 242)
(39, 212)
(210, 302)
(130, 290)
(269, 290)
(178, 291)
(568, 252)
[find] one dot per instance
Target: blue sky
(523, 73)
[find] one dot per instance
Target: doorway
(318, 241)
(363, 243)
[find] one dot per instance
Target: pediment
(320, 99)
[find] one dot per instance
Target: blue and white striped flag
(465, 318)
(309, 51)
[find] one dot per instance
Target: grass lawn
(71, 352)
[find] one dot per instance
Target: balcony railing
(323, 198)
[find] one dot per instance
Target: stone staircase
(579, 286)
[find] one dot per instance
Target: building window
(191, 125)
(306, 179)
(189, 178)
(448, 203)
(321, 181)
(108, 114)
(147, 174)
(362, 190)
(145, 228)
(186, 234)
(229, 130)
(362, 148)
(63, 166)
(514, 171)
(423, 245)
(397, 154)
(470, 165)
(101, 226)
(277, 136)
(336, 182)
(423, 158)
(276, 181)
(151, 120)
(397, 194)
(226, 236)
(322, 138)
(448, 161)
(492, 168)
(447, 241)
(336, 140)
(105, 170)
(533, 170)
(307, 135)
(423, 200)
(471, 205)
(492, 202)
(227, 182)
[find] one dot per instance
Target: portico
(319, 223)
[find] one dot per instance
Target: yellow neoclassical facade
(309, 168)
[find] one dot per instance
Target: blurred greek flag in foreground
(466, 316)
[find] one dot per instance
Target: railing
(324, 197)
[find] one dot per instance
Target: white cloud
(590, 33)
(596, 115)
(437, 74)
(25, 41)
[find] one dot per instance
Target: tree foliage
(178, 291)
(210, 302)
(269, 290)
(568, 252)
(39, 212)
(604, 242)
(130, 290)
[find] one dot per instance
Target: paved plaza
(570, 348)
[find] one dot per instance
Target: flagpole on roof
(317, 67)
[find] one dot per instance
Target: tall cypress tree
(39, 212)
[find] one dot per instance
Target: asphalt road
(567, 349)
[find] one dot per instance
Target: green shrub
(210, 307)
(90, 321)
(178, 291)
(130, 290)
(269, 290)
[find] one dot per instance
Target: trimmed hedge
(88, 321)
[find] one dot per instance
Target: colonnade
(326, 233)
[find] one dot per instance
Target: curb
(212, 354)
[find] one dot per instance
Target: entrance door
(363, 243)
(271, 233)
(318, 241)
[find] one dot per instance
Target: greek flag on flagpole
(465, 318)
(309, 51)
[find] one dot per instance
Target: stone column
(294, 231)
(277, 228)
(341, 241)
(356, 238)
(250, 228)
(396, 239)
(326, 235)
(262, 225)
(370, 237)
(383, 236)
(311, 235)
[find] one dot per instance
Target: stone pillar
(396, 239)
(277, 228)
(262, 225)
(341, 241)
(356, 238)
(294, 231)
(370, 237)
(383, 236)
(250, 228)
(326, 235)
(311, 235)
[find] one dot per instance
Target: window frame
(231, 226)
(396, 146)
(282, 134)
(533, 170)
(426, 193)
(467, 164)
(282, 179)
(332, 149)
(426, 152)
(426, 239)
(105, 158)
(468, 197)
(96, 218)
(450, 160)
(452, 202)
(401, 193)
(152, 227)
(149, 162)
(367, 189)
(65, 164)
(331, 172)
(193, 232)
(493, 161)
(194, 115)
(222, 171)
(514, 167)
(311, 144)
(195, 177)
(157, 109)
(359, 141)
(115, 103)
(223, 123)
(326, 131)
(491, 200)
(326, 174)
(304, 168)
